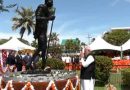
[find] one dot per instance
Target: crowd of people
(71, 59)
(19, 60)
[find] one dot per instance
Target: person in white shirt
(87, 74)
(67, 61)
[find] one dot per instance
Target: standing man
(44, 13)
(11, 59)
(87, 74)
(19, 61)
(27, 61)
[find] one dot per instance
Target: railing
(71, 66)
(120, 64)
(117, 64)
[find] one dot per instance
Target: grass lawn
(96, 87)
(99, 88)
(115, 79)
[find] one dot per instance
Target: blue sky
(75, 18)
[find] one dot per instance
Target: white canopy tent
(126, 45)
(15, 44)
(101, 44)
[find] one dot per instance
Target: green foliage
(126, 76)
(53, 63)
(24, 20)
(2, 41)
(117, 37)
(53, 39)
(103, 67)
(54, 48)
(72, 45)
(55, 51)
(34, 44)
(24, 41)
(4, 8)
(83, 43)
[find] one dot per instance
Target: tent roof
(101, 44)
(126, 45)
(15, 44)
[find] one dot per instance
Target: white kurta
(87, 84)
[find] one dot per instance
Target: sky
(74, 18)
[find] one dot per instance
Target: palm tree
(24, 20)
(77, 44)
(54, 38)
(5, 8)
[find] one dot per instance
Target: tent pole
(121, 53)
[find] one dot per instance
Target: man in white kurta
(87, 74)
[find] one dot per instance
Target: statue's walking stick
(48, 44)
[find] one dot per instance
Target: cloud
(71, 25)
(114, 2)
(68, 24)
(68, 29)
(127, 1)
(72, 29)
(93, 31)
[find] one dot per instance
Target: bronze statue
(44, 13)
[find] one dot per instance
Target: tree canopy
(24, 20)
(4, 8)
(72, 45)
(117, 37)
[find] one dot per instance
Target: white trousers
(87, 84)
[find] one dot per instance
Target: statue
(44, 13)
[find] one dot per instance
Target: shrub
(53, 63)
(103, 67)
(126, 76)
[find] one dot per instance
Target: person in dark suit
(11, 59)
(76, 62)
(19, 61)
(27, 61)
